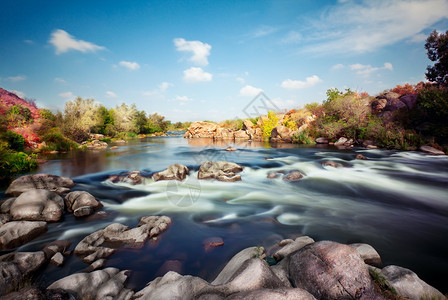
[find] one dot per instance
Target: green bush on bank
(12, 163)
(56, 141)
(15, 141)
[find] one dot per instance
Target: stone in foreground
(220, 170)
(37, 205)
(17, 233)
(57, 184)
(173, 172)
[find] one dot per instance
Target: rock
(293, 176)
(75, 201)
(57, 259)
(212, 242)
(431, 150)
(96, 136)
(281, 133)
(17, 267)
(201, 130)
(37, 293)
(113, 148)
(96, 145)
(6, 205)
(37, 205)
(236, 262)
(360, 156)
(294, 246)
(273, 294)
(57, 184)
(408, 285)
(133, 177)
(410, 100)
(16, 233)
(220, 170)
(98, 244)
(333, 164)
(100, 284)
(247, 124)
(341, 141)
(321, 140)
(120, 142)
(4, 218)
(275, 174)
(330, 270)
(169, 265)
(394, 104)
(368, 254)
(379, 104)
(224, 134)
(55, 247)
(231, 149)
(241, 135)
(173, 172)
(98, 264)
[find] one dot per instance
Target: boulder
(281, 133)
(293, 246)
(16, 233)
(394, 104)
(220, 170)
(201, 130)
(57, 184)
(329, 163)
(408, 285)
(378, 105)
(431, 150)
(37, 205)
(231, 149)
(99, 244)
(101, 284)
(241, 135)
(173, 172)
(341, 141)
(96, 145)
(224, 134)
(6, 205)
(410, 100)
(133, 177)
(368, 254)
(293, 176)
(247, 124)
(4, 218)
(57, 259)
(272, 294)
(81, 203)
(38, 293)
(360, 156)
(330, 270)
(321, 140)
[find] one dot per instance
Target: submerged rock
(57, 184)
(173, 172)
(230, 149)
(17, 233)
(333, 164)
(37, 205)
(220, 170)
(132, 177)
(293, 176)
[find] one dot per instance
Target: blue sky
(197, 60)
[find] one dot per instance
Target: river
(395, 201)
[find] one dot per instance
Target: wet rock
(58, 259)
(98, 264)
(321, 140)
(16, 267)
(102, 243)
(17, 233)
(81, 203)
(4, 218)
(37, 205)
(212, 242)
(55, 247)
(333, 164)
(133, 177)
(275, 174)
(220, 170)
(57, 184)
(281, 134)
(231, 149)
(293, 176)
(37, 293)
(330, 270)
(173, 172)
(6, 205)
(273, 294)
(360, 156)
(294, 246)
(101, 284)
(368, 254)
(431, 150)
(341, 141)
(236, 262)
(409, 285)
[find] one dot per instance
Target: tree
(124, 117)
(141, 121)
(80, 116)
(437, 50)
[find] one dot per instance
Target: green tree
(437, 50)
(80, 116)
(124, 117)
(141, 121)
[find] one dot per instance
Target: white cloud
(200, 50)
(197, 75)
(64, 42)
(250, 91)
(264, 30)
(160, 89)
(240, 80)
(284, 104)
(19, 93)
(365, 26)
(164, 86)
(298, 84)
(60, 80)
(183, 98)
(17, 78)
(67, 95)
(338, 66)
(367, 70)
(293, 37)
(130, 65)
(110, 94)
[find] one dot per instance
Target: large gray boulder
(408, 285)
(79, 203)
(220, 170)
(273, 294)
(97, 245)
(173, 172)
(330, 270)
(57, 184)
(101, 284)
(293, 246)
(17, 233)
(37, 205)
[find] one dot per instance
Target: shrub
(58, 142)
(288, 122)
(302, 138)
(12, 163)
(15, 141)
(131, 135)
(268, 124)
(433, 103)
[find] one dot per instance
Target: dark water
(395, 201)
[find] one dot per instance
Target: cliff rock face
(9, 99)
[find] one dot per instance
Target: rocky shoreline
(297, 268)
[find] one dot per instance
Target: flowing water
(395, 201)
